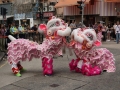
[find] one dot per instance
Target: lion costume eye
(63, 23)
(57, 23)
(90, 36)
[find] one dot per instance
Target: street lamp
(81, 6)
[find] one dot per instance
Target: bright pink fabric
(100, 57)
(86, 69)
(22, 49)
(89, 70)
(99, 36)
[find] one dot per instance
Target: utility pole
(81, 6)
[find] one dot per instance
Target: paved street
(62, 79)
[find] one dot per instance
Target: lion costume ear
(53, 17)
(97, 43)
(42, 28)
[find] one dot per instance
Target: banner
(19, 16)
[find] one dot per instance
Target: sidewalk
(62, 79)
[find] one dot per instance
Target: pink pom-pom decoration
(42, 28)
(97, 43)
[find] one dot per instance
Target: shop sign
(19, 16)
(47, 14)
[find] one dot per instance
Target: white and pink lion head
(86, 37)
(55, 26)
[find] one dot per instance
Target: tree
(22, 6)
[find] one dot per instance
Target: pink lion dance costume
(90, 60)
(22, 49)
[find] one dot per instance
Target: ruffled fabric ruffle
(99, 36)
(96, 57)
(50, 47)
(22, 49)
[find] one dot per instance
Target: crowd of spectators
(19, 32)
(108, 31)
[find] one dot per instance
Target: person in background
(68, 37)
(3, 30)
(81, 25)
(35, 33)
(117, 31)
(99, 30)
(13, 30)
(3, 33)
(73, 25)
(29, 32)
(114, 34)
(8, 33)
(109, 32)
(104, 29)
(95, 27)
(22, 31)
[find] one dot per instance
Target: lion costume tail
(11, 37)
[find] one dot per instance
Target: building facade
(99, 10)
(29, 11)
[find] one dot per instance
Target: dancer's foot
(47, 75)
(18, 74)
(22, 70)
(20, 67)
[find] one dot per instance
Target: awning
(112, 0)
(99, 8)
(64, 3)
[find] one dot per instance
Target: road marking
(3, 65)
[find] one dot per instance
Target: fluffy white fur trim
(76, 37)
(11, 37)
(65, 32)
(91, 31)
(40, 31)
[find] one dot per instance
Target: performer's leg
(60, 53)
(16, 70)
(44, 61)
(73, 64)
(20, 67)
(47, 66)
